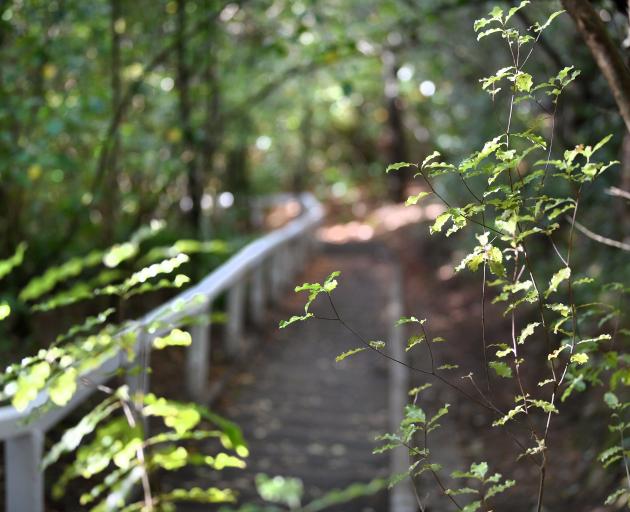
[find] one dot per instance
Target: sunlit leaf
(349, 353)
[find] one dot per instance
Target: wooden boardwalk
(303, 414)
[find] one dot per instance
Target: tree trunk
(395, 143)
(302, 169)
(606, 54)
(110, 196)
(212, 111)
(188, 155)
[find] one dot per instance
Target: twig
(618, 192)
(601, 239)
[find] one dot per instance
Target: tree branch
(601, 239)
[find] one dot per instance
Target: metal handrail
(267, 265)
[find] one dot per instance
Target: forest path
(303, 414)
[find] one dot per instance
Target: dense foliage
(112, 118)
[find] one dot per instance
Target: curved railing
(256, 274)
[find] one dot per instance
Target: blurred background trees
(114, 112)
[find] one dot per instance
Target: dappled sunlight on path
(303, 414)
(381, 220)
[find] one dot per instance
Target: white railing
(258, 273)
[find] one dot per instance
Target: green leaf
(119, 253)
(579, 358)
(609, 453)
(176, 338)
(72, 437)
(504, 350)
(5, 310)
(178, 416)
(495, 261)
(439, 222)
(472, 261)
(414, 414)
(563, 309)
(410, 319)
(611, 400)
(501, 368)
(29, 384)
(544, 405)
(295, 318)
(399, 165)
(459, 492)
(349, 353)
(523, 82)
(539, 28)
(557, 352)
(411, 200)
(331, 283)
(16, 260)
(413, 341)
(88, 324)
(62, 389)
(562, 275)
(527, 331)
(287, 491)
(443, 411)
(41, 285)
(601, 143)
(519, 409)
(499, 488)
(377, 345)
(313, 289)
(418, 389)
(429, 158)
(488, 32)
(197, 495)
(477, 471)
(615, 496)
(496, 12)
(514, 10)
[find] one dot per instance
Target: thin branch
(617, 192)
(601, 239)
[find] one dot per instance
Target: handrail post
(198, 357)
(275, 276)
(24, 476)
(257, 296)
(301, 253)
(290, 264)
(235, 310)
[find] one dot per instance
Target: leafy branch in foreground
(111, 446)
(523, 197)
